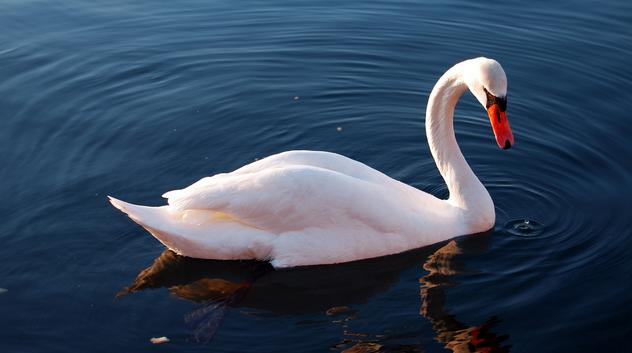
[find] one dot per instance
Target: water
(132, 100)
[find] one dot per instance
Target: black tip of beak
(507, 145)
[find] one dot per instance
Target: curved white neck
(466, 191)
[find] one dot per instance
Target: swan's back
(319, 159)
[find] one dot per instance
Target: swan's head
(487, 81)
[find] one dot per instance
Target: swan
(301, 208)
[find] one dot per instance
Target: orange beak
(500, 125)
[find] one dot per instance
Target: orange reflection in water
(456, 336)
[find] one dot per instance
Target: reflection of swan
(294, 291)
(219, 285)
(456, 336)
(306, 207)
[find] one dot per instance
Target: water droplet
(524, 227)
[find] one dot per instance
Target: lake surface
(133, 99)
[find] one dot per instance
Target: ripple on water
(138, 99)
(524, 228)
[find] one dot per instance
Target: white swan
(308, 207)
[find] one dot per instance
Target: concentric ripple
(524, 227)
(136, 98)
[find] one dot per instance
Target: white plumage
(309, 207)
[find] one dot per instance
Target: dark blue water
(134, 99)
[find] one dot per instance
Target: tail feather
(198, 233)
(171, 193)
(140, 214)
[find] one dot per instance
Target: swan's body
(307, 207)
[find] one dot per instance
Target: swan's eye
(491, 100)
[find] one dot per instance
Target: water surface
(134, 99)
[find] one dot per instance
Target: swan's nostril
(507, 145)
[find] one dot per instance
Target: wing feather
(283, 199)
(301, 189)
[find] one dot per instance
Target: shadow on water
(220, 285)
